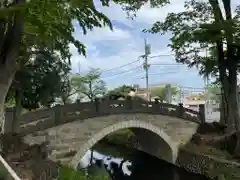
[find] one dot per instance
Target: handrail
(9, 169)
(47, 118)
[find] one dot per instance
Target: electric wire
(159, 64)
(119, 67)
(110, 76)
(120, 73)
(139, 59)
(161, 55)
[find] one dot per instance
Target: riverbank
(211, 157)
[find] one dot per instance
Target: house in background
(193, 101)
(142, 92)
(190, 100)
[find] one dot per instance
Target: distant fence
(47, 118)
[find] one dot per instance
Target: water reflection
(138, 166)
(108, 162)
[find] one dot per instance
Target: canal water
(118, 163)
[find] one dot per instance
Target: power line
(151, 74)
(135, 68)
(122, 72)
(159, 64)
(124, 65)
(161, 55)
(141, 76)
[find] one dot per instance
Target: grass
(3, 172)
(207, 150)
(66, 173)
(226, 173)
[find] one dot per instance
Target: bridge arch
(152, 140)
(77, 127)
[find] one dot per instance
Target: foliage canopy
(40, 81)
(89, 85)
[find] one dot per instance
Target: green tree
(121, 91)
(35, 25)
(47, 24)
(214, 92)
(38, 83)
(160, 92)
(66, 92)
(89, 85)
(203, 26)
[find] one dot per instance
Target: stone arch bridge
(72, 129)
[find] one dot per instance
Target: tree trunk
(17, 112)
(223, 109)
(5, 82)
(230, 111)
(222, 114)
(9, 48)
(232, 108)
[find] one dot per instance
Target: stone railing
(47, 118)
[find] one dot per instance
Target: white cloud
(107, 49)
(106, 34)
(145, 15)
(150, 15)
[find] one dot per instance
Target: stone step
(65, 160)
(61, 146)
(63, 153)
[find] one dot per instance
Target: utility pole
(146, 66)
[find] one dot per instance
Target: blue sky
(107, 49)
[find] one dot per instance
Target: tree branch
(216, 11)
(227, 8)
(12, 39)
(2, 33)
(88, 95)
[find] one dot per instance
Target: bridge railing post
(129, 103)
(156, 104)
(9, 118)
(202, 113)
(96, 102)
(57, 114)
(180, 110)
